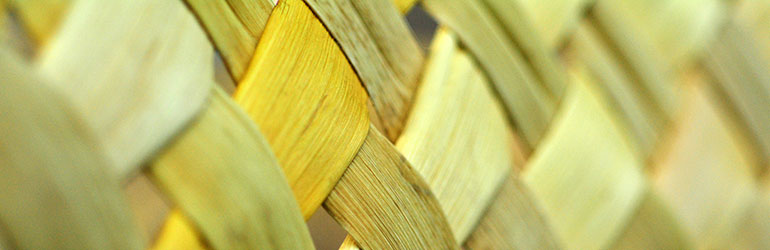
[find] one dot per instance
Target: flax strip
(4, 23)
(40, 18)
(179, 233)
(460, 148)
(222, 173)
(528, 103)
(513, 221)
(653, 226)
(382, 50)
(753, 231)
(678, 30)
(740, 77)
(755, 15)
(585, 174)
(636, 112)
(404, 6)
(234, 27)
(394, 38)
(709, 181)
(520, 29)
(556, 20)
(129, 74)
(299, 74)
(636, 53)
(56, 189)
(385, 204)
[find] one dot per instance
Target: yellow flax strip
(222, 173)
(56, 189)
(385, 204)
(349, 244)
(131, 66)
(178, 233)
(234, 27)
(404, 6)
(299, 74)
(382, 50)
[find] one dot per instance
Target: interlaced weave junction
(526, 124)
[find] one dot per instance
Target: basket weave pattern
(526, 124)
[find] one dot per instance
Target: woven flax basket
(507, 124)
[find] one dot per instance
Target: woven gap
(149, 205)
(326, 233)
(423, 26)
(222, 75)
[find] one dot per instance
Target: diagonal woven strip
(38, 192)
(564, 124)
